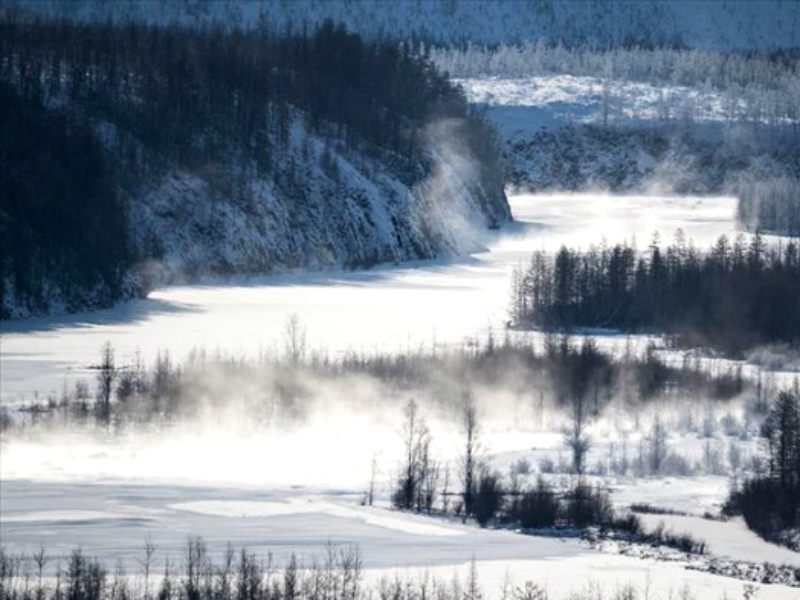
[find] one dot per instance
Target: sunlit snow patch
(66, 516)
(370, 516)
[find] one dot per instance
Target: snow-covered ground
(269, 492)
(522, 105)
(386, 308)
(590, 132)
(727, 539)
(111, 520)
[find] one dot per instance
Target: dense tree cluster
(62, 223)
(733, 297)
(599, 24)
(770, 504)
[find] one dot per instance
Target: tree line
(734, 296)
(337, 573)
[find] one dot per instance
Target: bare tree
(146, 563)
(106, 375)
(446, 489)
(295, 339)
(40, 559)
(415, 438)
(473, 589)
(576, 438)
(428, 475)
(373, 473)
(472, 449)
(658, 446)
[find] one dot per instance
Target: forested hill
(741, 25)
(135, 153)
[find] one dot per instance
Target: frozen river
(387, 308)
(106, 495)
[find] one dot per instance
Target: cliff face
(326, 208)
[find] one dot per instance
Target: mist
(301, 419)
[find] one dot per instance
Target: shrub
(630, 524)
(521, 467)
(766, 506)
(680, 541)
(537, 507)
(488, 497)
(588, 506)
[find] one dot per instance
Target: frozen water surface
(69, 491)
(386, 309)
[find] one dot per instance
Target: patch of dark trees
(62, 222)
(770, 503)
(733, 297)
(220, 103)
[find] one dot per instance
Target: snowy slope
(576, 132)
(354, 213)
(562, 99)
(327, 207)
(359, 215)
(711, 24)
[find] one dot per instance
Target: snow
(255, 517)
(311, 505)
(391, 543)
(692, 495)
(298, 489)
(727, 539)
(600, 574)
(387, 308)
(62, 516)
(521, 106)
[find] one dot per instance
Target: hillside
(765, 25)
(234, 152)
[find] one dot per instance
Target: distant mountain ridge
(738, 25)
